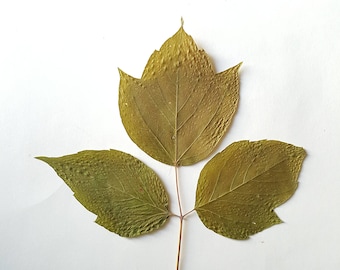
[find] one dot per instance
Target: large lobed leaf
(126, 195)
(180, 109)
(239, 188)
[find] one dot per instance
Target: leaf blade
(180, 109)
(239, 188)
(126, 195)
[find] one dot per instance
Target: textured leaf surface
(126, 195)
(239, 188)
(179, 110)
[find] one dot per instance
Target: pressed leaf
(239, 188)
(126, 195)
(180, 108)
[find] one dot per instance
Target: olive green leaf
(239, 188)
(126, 195)
(180, 108)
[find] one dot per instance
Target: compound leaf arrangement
(177, 113)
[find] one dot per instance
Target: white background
(59, 89)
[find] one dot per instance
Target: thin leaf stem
(179, 243)
(181, 217)
(188, 213)
(174, 215)
(178, 193)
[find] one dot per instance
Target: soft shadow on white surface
(59, 89)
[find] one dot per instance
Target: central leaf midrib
(176, 118)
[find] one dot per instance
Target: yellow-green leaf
(126, 195)
(239, 188)
(180, 108)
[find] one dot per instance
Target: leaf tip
(237, 67)
(42, 158)
(121, 72)
(47, 160)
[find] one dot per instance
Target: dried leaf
(126, 195)
(239, 188)
(179, 110)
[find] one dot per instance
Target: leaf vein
(206, 126)
(233, 190)
(152, 132)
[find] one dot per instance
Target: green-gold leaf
(126, 195)
(180, 108)
(239, 188)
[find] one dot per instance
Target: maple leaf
(180, 109)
